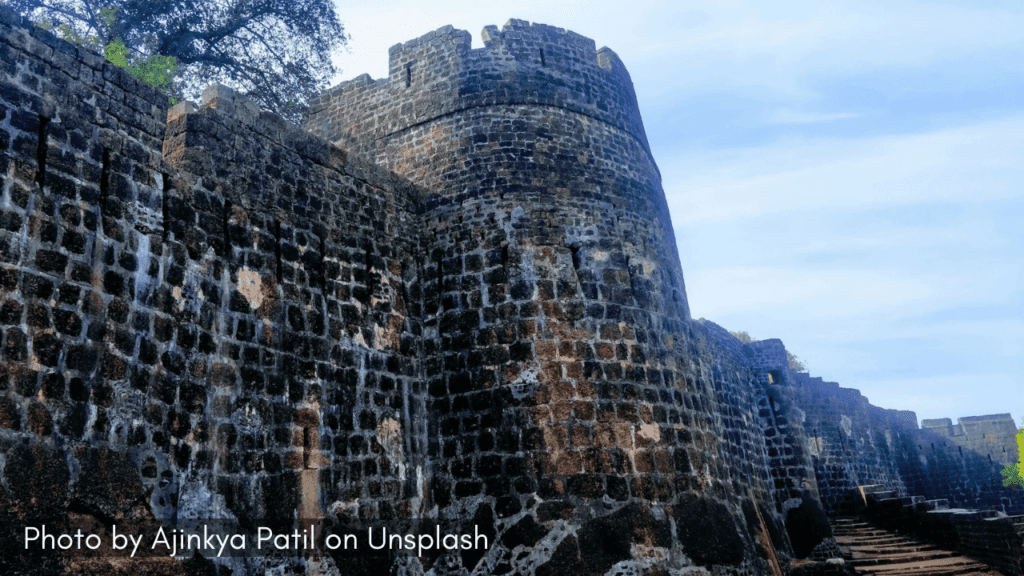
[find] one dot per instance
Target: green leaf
(1011, 475)
(116, 53)
(155, 70)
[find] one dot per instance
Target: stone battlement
(439, 74)
(239, 120)
(987, 418)
(993, 435)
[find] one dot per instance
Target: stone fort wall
(560, 291)
(848, 442)
(991, 436)
(208, 310)
(533, 158)
(471, 311)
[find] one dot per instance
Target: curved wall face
(568, 381)
(537, 112)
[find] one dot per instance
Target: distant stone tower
(566, 381)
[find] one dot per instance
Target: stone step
(892, 548)
(879, 540)
(867, 559)
(957, 565)
(873, 551)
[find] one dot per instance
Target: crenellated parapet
(440, 74)
(992, 435)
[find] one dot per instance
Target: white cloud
(835, 294)
(774, 48)
(789, 116)
(969, 164)
(948, 396)
(904, 239)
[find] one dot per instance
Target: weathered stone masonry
(470, 310)
(213, 305)
(846, 442)
(531, 150)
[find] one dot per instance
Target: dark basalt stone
(707, 531)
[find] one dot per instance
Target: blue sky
(845, 176)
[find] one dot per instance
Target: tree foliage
(795, 363)
(1013, 474)
(743, 337)
(279, 51)
(153, 69)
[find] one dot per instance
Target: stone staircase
(871, 550)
